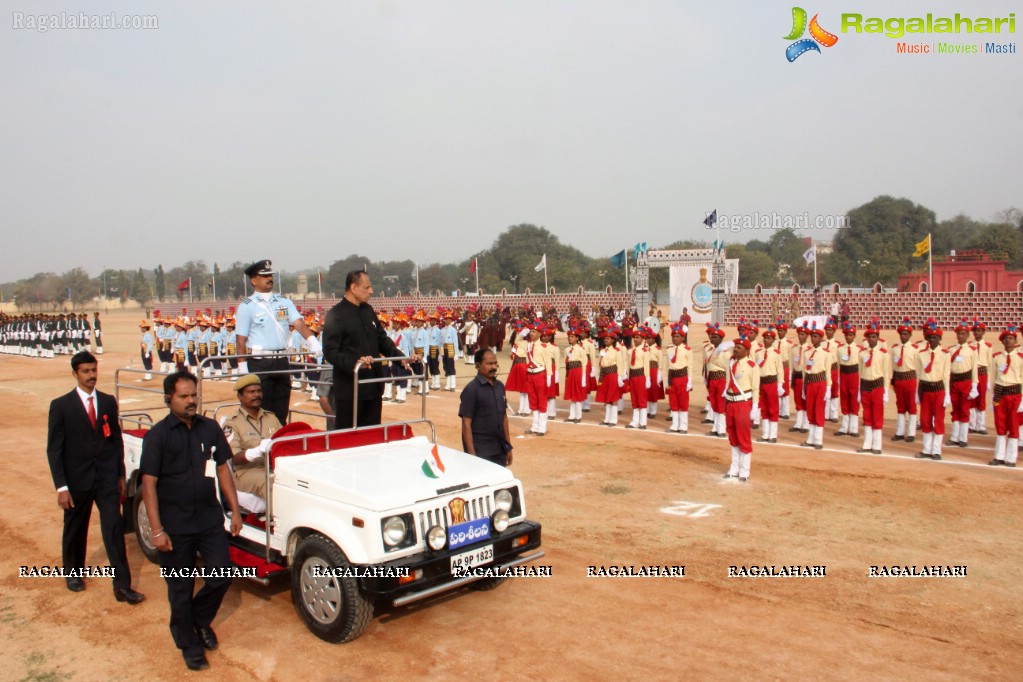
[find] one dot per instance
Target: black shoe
(1011, 465)
(197, 662)
(981, 433)
(722, 435)
(763, 440)
(923, 455)
(818, 447)
(629, 426)
(910, 439)
(684, 431)
(772, 440)
(540, 434)
(208, 638)
(863, 450)
(727, 476)
(707, 421)
(804, 430)
(642, 427)
(129, 595)
(75, 584)
(898, 438)
(876, 452)
(936, 457)
(841, 433)
(795, 430)
(806, 445)
(962, 444)
(743, 479)
(786, 417)
(853, 435)
(992, 463)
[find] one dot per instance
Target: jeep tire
(486, 584)
(143, 534)
(331, 605)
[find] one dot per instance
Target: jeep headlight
(436, 538)
(394, 531)
(499, 521)
(503, 499)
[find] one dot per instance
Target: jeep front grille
(475, 508)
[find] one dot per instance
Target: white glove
(264, 446)
(584, 379)
(948, 400)
(754, 414)
(621, 381)
(859, 396)
(648, 383)
(243, 367)
(1020, 408)
(827, 394)
(548, 381)
(884, 398)
(314, 345)
(524, 333)
(973, 391)
(781, 390)
(689, 384)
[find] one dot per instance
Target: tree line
(877, 245)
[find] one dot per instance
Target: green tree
(160, 282)
(998, 239)
(140, 291)
(78, 286)
(755, 267)
(879, 243)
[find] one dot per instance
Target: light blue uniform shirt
(265, 323)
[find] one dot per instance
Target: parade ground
(777, 580)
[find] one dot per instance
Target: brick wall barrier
(997, 309)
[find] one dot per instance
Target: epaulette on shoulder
(245, 301)
(944, 350)
(882, 349)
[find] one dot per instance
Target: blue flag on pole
(641, 248)
(618, 260)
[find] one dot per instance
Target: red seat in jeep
(317, 440)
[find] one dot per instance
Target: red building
(967, 271)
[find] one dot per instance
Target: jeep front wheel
(143, 533)
(325, 593)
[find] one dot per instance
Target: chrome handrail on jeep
(383, 380)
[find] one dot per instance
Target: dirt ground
(604, 497)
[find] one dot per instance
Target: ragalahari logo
(817, 35)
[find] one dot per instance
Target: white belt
(267, 351)
(739, 397)
(537, 371)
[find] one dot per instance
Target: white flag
(543, 264)
(810, 255)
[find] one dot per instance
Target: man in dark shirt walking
(353, 334)
(181, 457)
(484, 413)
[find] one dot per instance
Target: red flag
(186, 284)
(472, 268)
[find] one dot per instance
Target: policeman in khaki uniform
(816, 364)
(770, 362)
(1007, 369)
(933, 368)
(848, 389)
(904, 383)
(962, 383)
(248, 432)
(678, 382)
(742, 395)
(874, 368)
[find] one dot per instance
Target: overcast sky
(421, 129)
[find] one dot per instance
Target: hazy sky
(421, 129)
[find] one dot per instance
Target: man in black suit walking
(86, 456)
(353, 334)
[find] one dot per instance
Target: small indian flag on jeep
(432, 466)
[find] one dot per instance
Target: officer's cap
(247, 380)
(260, 267)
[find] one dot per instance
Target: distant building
(966, 271)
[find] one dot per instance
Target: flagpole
(189, 289)
(546, 289)
(626, 271)
(319, 283)
(476, 262)
(213, 279)
(930, 263)
(814, 241)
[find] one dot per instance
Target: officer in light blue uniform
(180, 346)
(262, 330)
(433, 349)
(449, 350)
(421, 344)
(148, 342)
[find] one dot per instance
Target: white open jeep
(360, 515)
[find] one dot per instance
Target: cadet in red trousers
(932, 370)
(677, 378)
(848, 389)
(874, 366)
(742, 393)
(1007, 367)
(904, 383)
(963, 383)
(978, 410)
(772, 384)
(817, 361)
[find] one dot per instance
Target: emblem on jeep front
(457, 507)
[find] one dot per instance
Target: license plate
(472, 559)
